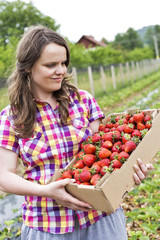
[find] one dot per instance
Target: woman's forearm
(10, 182)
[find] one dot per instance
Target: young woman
(44, 125)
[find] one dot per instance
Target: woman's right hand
(56, 190)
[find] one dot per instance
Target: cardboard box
(112, 188)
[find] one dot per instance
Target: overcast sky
(99, 18)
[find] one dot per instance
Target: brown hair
(23, 106)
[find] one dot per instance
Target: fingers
(73, 203)
(141, 171)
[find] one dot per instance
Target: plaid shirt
(51, 147)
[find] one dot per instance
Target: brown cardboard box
(111, 189)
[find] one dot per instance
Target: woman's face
(49, 70)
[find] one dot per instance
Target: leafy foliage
(16, 16)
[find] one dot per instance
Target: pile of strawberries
(109, 148)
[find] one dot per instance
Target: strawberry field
(142, 205)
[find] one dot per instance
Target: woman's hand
(141, 171)
(56, 190)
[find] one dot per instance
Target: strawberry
(77, 174)
(138, 117)
(147, 118)
(96, 138)
(148, 124)
(60, 178)
(116, 148)
(116, 135)
(89, 148)
(67, 174)
(107, 136)
(121, 128)
(122, 157)
(109, 125)
(140, 126)
(104, 153)
(104, 162)
(85, 176)
(94, 179)
(129, 146)
(95, 168)
(116, 164)
(79, 164)
(126, 137)
(79, 155)
(101, 127)
(136, 132)
(85, 183)
(129, 128)
(114, 155)
(107, 144)
(131, 120)
(104, 170)
(89, 159)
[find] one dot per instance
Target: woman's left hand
(141, 171)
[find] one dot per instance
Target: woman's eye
(50, 66)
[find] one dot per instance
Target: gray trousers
(111, 227)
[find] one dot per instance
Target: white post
(138, 71)
(75, 76)
(103, 78)
(127, 71)
(113, 77)
(91, 80)
(121, 73)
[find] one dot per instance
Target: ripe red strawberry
(116, 135)
(129, 128)
(101, 127)
(129, 146)
(60, 178)
(114, 155)
(109, 125)
(116, 148)
(104, 170)
(79, 164)
(126, 137)
(67, 174)
(104, 153)
(104, 162)
(96, 138)
(85, 176)
(79, 155)
(89, 148)
(136, 132)
(94, 179)
(95, 168)
(147, 118)
(138, 117)
(77, 175)
(116, 164)
(89, 159)
(140, 126)
(148, 124)
(107, 136)
(122, 157)
(131, 120)
(107, 144)
(121, 128)
(85, 183)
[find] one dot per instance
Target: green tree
(16, 16)
(149, 36)
(129, 40)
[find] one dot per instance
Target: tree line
(17, 16)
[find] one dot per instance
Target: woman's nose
(60, 69)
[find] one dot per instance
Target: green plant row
(118, 96)
(143, 202)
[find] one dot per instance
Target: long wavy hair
(23, 106)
